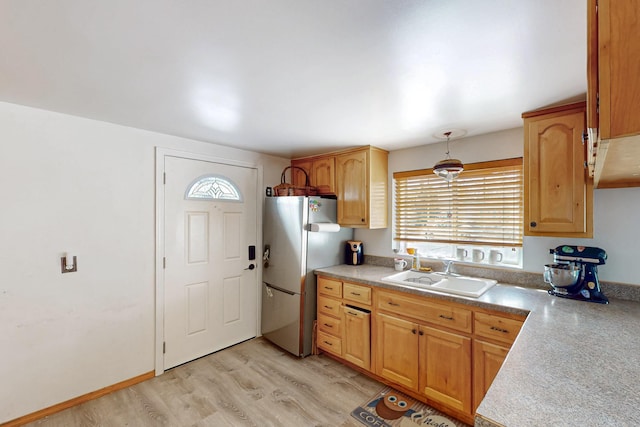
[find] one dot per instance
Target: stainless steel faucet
(447, 271)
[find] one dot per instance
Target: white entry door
(210, 288)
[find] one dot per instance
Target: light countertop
(574, 363)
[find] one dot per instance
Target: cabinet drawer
(330, 325)
(330, 287)
(357, 293)
(330, 343)
(440, 314)
(497, 327)
(329, 306)
(447, 316)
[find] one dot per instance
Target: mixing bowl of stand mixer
(561, 276)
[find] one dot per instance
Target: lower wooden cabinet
(356, 336)
(487, 360)
(433, 362)
(397, 350)
(446, 352)
(329, 314)
(344, 320)
(488, 356)
(445, 367)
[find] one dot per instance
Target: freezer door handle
(269, 287)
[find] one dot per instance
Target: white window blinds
(482, 206)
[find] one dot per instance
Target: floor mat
(392, 408)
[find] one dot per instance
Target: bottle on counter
(415, 258)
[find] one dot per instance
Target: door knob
(251, 267)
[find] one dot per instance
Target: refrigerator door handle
(278, 289)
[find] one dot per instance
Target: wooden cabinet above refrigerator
(357, 177)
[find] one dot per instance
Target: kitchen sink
(459, 285)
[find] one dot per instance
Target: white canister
(495, 256)
(399, 264)
(478, 255)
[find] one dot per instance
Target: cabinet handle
(495, 328)
(421, 332)
(533, 223)
(328, 325)
(361, 219)
(442, 316)
(352, 313)
(329, 288)
(328, 343)
(355, 293)
(393, 303)
(413, 331)
(328, 307)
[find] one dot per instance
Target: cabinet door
(324, 174)
(297, 176)
(397, 350)
(618, 67)
(356, 337)
(352, 189)
(487, 360)
(557, 191)
(445, 368)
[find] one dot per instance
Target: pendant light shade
(449, 168)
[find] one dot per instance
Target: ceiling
(295, 77)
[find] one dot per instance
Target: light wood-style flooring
(251, 384)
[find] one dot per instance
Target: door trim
(161, 154)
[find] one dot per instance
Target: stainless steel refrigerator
(291, 252)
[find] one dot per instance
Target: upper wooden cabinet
(321, 172)
(558, 194)
(358, 177)
(298, 177)
(613, 70)
(361, 184)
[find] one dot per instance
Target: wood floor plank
(251, 384)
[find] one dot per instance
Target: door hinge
(164, 177)
(164, 262)
(164, 347)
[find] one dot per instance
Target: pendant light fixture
(449, 168)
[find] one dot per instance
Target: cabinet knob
(533, 223)
(361, 219)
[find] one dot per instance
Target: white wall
(616, 228)
(72, 184)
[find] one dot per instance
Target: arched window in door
(213, 187)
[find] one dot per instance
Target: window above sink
(496, 256)
(477, 218)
